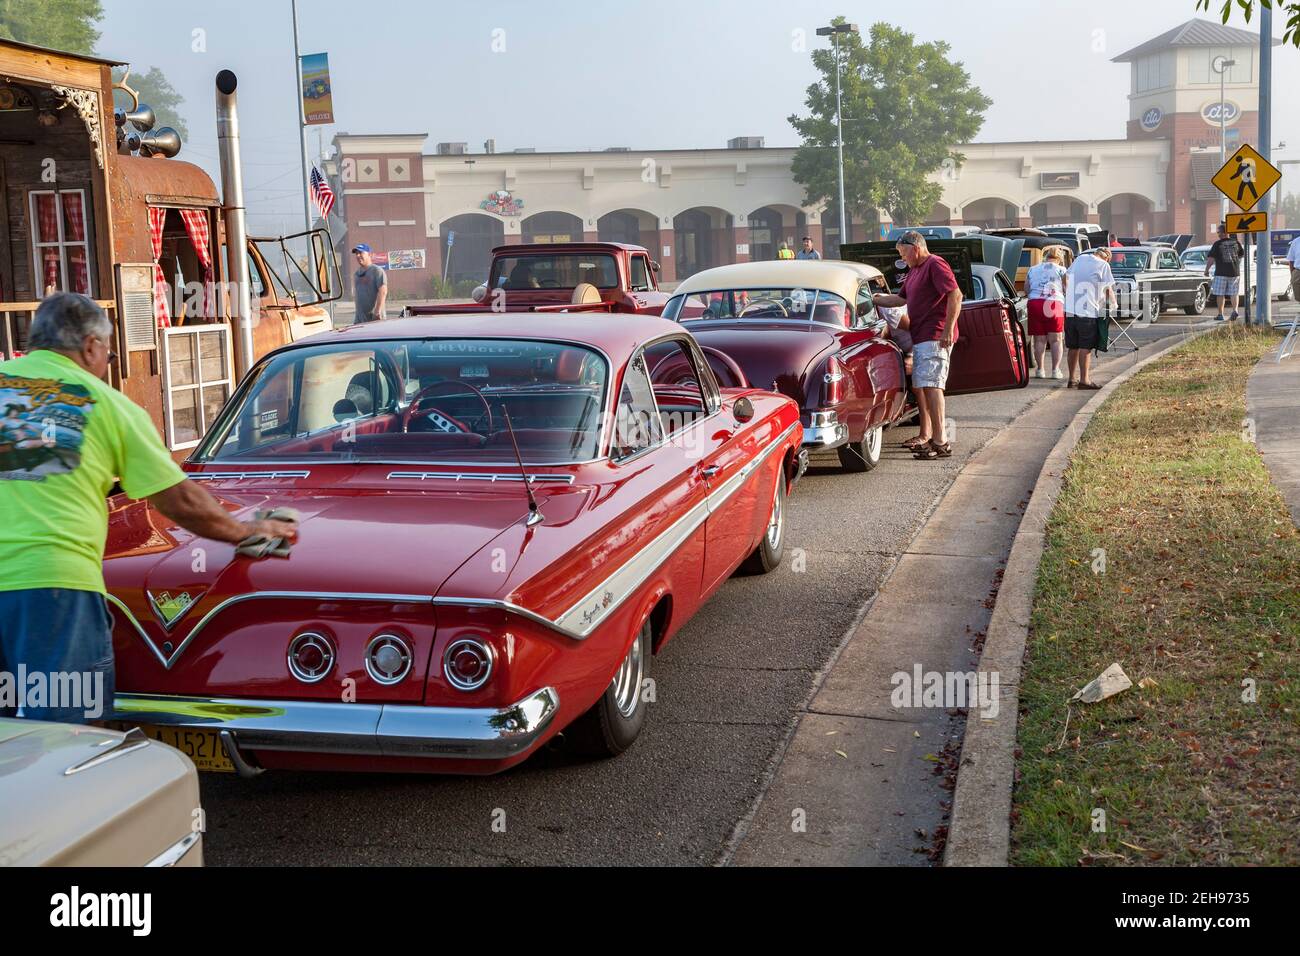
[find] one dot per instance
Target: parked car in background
(564, 277)
(1079, 236)
(1179, 240)
(933, 232)
(810, 330)
(503, 518)
(1279, 272)
(1151, 279)
(75, 795)
(1036, 243)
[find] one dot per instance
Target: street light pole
(839, 141)
(1263, 313)
(834, 32)
(1220, 65)
(302, 120)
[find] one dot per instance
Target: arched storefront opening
(1131, 215)
(940, 215)
(470, 254)
(633, 226)
(1058, 209)
(702, 239)
(551, 227)
(769, 226)
(992, 212)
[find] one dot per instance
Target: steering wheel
(759, 303)
(673, 369)
(456, 425)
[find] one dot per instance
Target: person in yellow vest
(785, 252)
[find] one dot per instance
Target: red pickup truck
(564, 277)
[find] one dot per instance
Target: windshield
(418, 400)
(781, 303)
(1194, 258)
(1127, 261)
(560, 271)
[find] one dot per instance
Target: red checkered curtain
(196, 226)
(74, 230)
(47, 230)
(157, 215)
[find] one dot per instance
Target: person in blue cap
(369, 284)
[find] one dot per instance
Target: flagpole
(302, 119)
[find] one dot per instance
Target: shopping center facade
(438, 213)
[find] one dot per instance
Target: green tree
(1287, 8)
(1289, 206)
(906, 106)
(157, 92)
(68, 25)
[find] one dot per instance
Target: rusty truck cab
(145, 236)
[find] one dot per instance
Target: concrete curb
(979, 832)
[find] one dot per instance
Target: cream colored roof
(833, 275)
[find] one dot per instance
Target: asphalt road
(728, 688)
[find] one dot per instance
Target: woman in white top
(1046, 283)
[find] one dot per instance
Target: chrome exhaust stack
(232, 198)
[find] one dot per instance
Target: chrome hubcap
(1201, 296)
(775, 522)
(873, 443)
(627, 682)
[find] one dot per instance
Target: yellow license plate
(201, 746)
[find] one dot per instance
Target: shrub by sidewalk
(1170, 553)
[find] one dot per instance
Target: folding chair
(1123, 331)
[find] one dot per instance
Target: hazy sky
(660, 74)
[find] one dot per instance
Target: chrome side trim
(168, 661)
(586, 614)
(134, 740)
(177, 851)
(378, 730)
(240, 475)
(507, 607)
(470, 476)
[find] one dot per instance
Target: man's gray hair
(911, 238)
(64, 319)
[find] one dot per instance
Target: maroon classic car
(809, 330)
(502, 518)
(564, 277)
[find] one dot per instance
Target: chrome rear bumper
(384, 730)
(825, 430)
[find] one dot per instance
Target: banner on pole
(317, 100)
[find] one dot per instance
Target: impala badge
(171, 608)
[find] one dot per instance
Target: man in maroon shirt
(929, 290)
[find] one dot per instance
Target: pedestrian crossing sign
(1246, 177)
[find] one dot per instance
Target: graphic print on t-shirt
(42, 426)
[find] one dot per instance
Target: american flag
(321, 193)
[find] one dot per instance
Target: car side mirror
(655, 266)
(345, 409)
(743, 410)
(479, 293)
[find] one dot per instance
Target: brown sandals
(930, 451)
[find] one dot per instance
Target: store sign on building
(1151, 119)
(501, 202)
(1210, 112)
(1058, 180)
(405, 259)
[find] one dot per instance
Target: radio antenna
(535, 515)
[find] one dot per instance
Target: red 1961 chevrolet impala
(502, 519)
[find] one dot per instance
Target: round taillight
(467, 664)
(388, 658)
(311, 656)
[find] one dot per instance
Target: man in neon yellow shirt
(65, 438)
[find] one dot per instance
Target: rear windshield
(811, 304)
(559, 271)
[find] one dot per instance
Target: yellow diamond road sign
(1245, 177)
